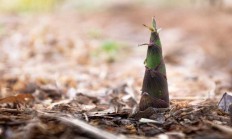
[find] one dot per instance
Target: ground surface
(87, 65)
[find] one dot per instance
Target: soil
(61, 68)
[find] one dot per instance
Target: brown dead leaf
(17, 101)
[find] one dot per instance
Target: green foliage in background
(110, 47)
(27, 5)
(80, 5)
(95, 33)
(110, 51)
(2, 29)
(107, 51)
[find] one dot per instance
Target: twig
(225, 129)
(188, 98)
(86, 117)
(145, 120)
(10, 110)
(85, 126)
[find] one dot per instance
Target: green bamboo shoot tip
(153, 23)
(155, 92)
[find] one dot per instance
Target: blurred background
(92, 45)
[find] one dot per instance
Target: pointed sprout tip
(159, 30)
(150, 28)
(143, 44)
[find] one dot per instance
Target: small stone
(225, 101)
